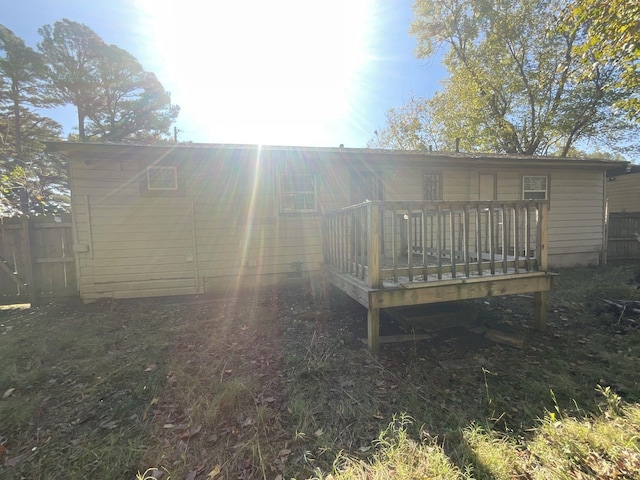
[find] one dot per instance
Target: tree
(115, 98)
(612, 40)
(130, 104)
(71, 51)
(409, 127)
(22, 73)
(515, 84)
(32, 181)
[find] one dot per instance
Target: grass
(279, 385)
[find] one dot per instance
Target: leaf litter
(279, 385)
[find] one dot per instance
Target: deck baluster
(410, 242)
(527, 251)
(479, 238)
(362, 218)
(505, 238)
(438, 239)
(465, 223)
(394, 243)
(425, 269)
(491, 238)
(516, 238)
(452, 238)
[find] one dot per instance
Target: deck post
(540, 304)
(375, 280)
(373, 330)
(543, 233)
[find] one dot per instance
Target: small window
(535, 188)
(432, 186)
(162, 178)
(298, 193)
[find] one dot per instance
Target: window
(535, 188)
(432, 185)
(162, 178)
(298, 193)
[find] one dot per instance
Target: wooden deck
(390, 254)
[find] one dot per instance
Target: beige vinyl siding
(576, 229)
(246, 235)
(624, 193)
(137, 246)
(225, 226)
(576, 217)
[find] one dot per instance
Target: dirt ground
(276, 385)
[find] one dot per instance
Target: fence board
(622, 242)
(37, 259)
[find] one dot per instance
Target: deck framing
(365, 281)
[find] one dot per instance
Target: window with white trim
(535, 187)
(162, 178)
(298, 193)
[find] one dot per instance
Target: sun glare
(278, 72)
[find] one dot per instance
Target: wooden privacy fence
(36, 259)
(436, 240)
(622, 243)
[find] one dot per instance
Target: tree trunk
(17, 124)
(81, 117)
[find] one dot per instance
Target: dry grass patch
(280, 386)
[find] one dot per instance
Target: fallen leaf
(8, 393)
(284, 452)
(191, 431)
(318, 433)
(151, 367)
(12, 462)
(3, 451)
(214, 473)
(168, 425)
(182, 446)
(365, 448)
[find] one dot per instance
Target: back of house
(193, 219)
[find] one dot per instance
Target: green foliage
(516, 84)
(115, 98)
(107, 85)
(612, 41)
(32, 181)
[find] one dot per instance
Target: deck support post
(540, 305)
(373, 336)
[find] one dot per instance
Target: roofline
(623, 170)
(120, 150)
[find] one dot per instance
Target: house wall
(242, 238)
(223, 230)
(623, 193)
(576, 214)
(128, 245)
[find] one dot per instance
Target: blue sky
(283, 72)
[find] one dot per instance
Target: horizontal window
(162, 178)
(535, 187)
(298, 193)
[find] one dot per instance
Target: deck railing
(426, 241)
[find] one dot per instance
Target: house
(193, 218)
(623, 189)
(623, 194)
